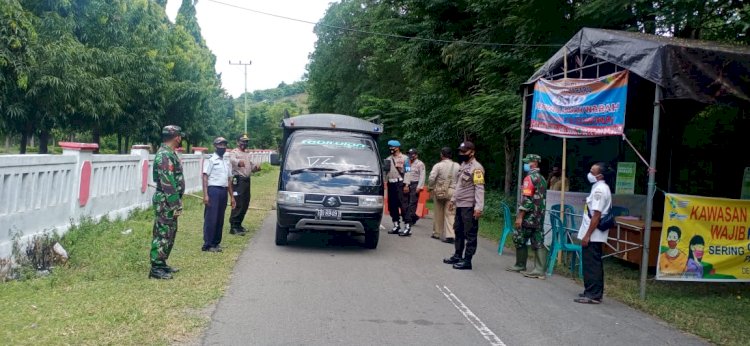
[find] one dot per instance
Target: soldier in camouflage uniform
(530, 220)
(170, 185)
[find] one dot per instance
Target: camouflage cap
(243, 138)
(532, 157)
(220, 140)
(172, 130)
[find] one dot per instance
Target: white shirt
(218, 170)
(600, 199)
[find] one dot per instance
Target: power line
(417, 38)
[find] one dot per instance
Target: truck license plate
(329, 214)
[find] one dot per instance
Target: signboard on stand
(625, 183)
(704, 239)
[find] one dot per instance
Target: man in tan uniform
(469, 203)
(442, 185)
(242, 169)
(413, 185)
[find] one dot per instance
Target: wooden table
(626, 240)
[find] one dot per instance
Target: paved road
(321, 290)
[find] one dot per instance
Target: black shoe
(159, 273)
(213, 249)
(169, 269)
(582, 295)
(406, 232)
(395, 230)
(237, 231)
(449, 240)
(452, 260)
(463, 265)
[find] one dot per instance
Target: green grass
(102, 295)
(717, 312)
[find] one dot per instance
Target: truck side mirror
(386, 165)
(275, 161)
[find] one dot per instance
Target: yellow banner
(704, 239)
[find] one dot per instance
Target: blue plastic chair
(507, 228)
(560, 242)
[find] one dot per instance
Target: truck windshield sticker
(319, 161)
(340, 144)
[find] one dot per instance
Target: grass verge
(715, 311)
(102, 295)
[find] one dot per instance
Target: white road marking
(473, 319)
(381, 226)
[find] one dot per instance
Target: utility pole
(245, 64)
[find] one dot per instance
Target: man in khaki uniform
(413, 185)
(242, 169)
(469, 203)
(442, 185)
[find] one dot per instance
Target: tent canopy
(707, 72)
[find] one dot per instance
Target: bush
(493, 200)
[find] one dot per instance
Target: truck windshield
(334, 154)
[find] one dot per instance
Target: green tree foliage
(106, 67)
(265, 110)
(440, 91)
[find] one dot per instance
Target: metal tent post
(523, 139)
(651, 190)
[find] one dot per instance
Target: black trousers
(395, 192)
(593, 271)
(467, 228)
(213, 216)
(242, 188)
(410, 200)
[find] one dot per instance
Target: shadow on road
(326, 241)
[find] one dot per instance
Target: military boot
(540, 265)
(522, 254)
(159, 273)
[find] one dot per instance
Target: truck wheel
(371, 239)
(281, 235)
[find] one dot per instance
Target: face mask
(412, 158)
(672, 244)
(393, 151)
(221, 151)
(591, 178)
(526, 167)
(463, 158)
(698, 253)
(243, 146)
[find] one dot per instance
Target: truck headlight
(294, 198)
(371, 201)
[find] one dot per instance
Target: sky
(277, 48)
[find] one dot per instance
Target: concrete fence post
(84, 153)
(143, 151)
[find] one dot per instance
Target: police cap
(220, 140)
(466, 146)
(243, 138)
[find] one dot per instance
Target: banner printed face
(704, 239)
(577, 108)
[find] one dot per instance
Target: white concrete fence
(42, 193)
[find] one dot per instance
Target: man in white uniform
(598, 205)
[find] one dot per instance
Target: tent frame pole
(651, 190)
